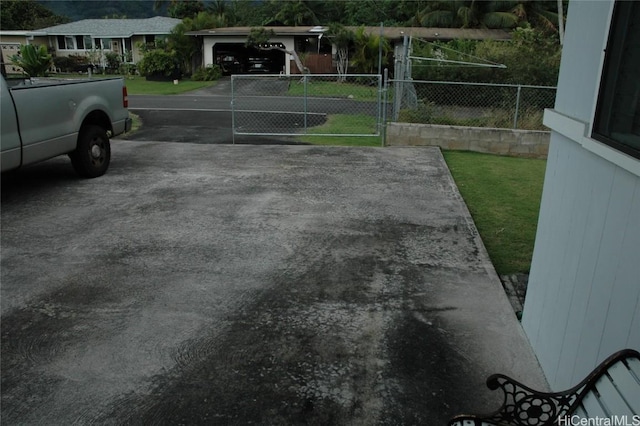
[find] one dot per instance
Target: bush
(72, 63)
(158, 64)
(64, 63)
(33, 59)
(209, 73)
(113, 61)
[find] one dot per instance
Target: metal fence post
(515, 118)
(305, 101)
(233, 112)
(383, 104)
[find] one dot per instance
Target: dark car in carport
(258, 66)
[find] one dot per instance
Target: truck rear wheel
(93, 152)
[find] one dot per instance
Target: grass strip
(140, 86)
(137, 85)
(344, 124)
(334, 89)
(503, 195)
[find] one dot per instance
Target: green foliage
(71, 63)
(366, 50)
(27, 15)
(113, 61)
(259, 37)
(422, 114)
(541, 14)
(531, 57)
(64, 63)
(159, 63)
(33, 59)
(208, 73)
(185, 8)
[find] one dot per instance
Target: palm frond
(500, 20)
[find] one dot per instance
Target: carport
(220, 284)
(218, 41)
(236, 58)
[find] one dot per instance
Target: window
(617, 119)
(80, 42)
(88, 42)
(69, 42)
(65, 43)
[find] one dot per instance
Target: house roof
(114, 28)
(431, 34)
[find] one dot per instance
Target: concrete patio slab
(218, 284)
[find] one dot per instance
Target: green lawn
(333, 89)
(344, 124)
(137, 85)
(503, 196)
(140, 86)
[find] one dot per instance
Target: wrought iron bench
(611, 390)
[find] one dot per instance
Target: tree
(33, 59)
(504, 14)
(341, 39)
(27, 15)
(259, 38)
(188, 49)
(542, 15)
(366, 50)
(293, 13)
(180, 8)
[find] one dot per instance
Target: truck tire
(93, 152)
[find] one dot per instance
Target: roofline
(105, 36)
(394, 33)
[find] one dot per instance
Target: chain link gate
(307, 105)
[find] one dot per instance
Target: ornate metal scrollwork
(523, 406)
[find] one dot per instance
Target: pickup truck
(42, 119)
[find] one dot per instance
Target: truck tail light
(125, 97)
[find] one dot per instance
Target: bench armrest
(523, 406)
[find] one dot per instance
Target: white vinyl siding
(583, 299)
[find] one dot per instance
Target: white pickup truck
(46, 118)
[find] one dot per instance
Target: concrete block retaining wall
(518, 143)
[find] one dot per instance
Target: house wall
(583, 299)
(135, 41)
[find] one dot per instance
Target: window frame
(603, 110)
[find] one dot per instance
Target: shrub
(158, 63)
(34, 60)
(208, 73)
(64, 63)
(113, 61)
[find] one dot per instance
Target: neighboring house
(121, 36)
(10, 42)
(227, 45)
(583, 300)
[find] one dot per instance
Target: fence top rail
(464, 83)
(298, 76)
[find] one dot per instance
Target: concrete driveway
(217, 284)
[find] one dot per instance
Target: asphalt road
(203, 284)
(205, 116)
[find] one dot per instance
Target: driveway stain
(198, 284)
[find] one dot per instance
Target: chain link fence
(469, 104)
(313, 104)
